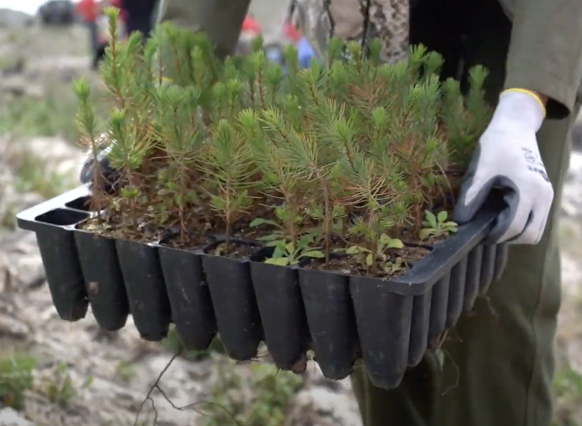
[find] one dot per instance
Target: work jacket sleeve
(545, 53)
(220, 19)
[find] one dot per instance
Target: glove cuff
(528, 92)
(522, 107)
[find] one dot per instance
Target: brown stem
(182, 202)
(327, 220)
(261, 89)
(346, 220)
(227, 238)
(160, 69)
(374, 242)
(132, 205)
(228, 217)
(291, 228)
(252, 90)
(177, 63)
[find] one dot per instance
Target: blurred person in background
(89, 10)
(249, 31)
(138, 15)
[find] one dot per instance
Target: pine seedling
(204, 75)
(291, 85)
(452, 117)
(432, 65)
(177, 46)
(369, 189)
(478, 111)
(250, 73)
(228, 167)
(87, 124)
(278, 175)
(465, 119)
(416, 61)
(273, 77)
(127, 154)
(140, 84)
(335, 51)
(302, 150)
(113, 70)
(183, 135)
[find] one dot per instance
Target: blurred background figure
(88, 11)
(250, 29)
(138, 15)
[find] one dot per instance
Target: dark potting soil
(236, 250)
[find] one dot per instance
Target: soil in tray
(237, 250)
(352, 265)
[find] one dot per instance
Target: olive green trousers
(499, 361)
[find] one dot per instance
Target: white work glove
(508, 157)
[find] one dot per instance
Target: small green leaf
(356, 250)
(305, 241)
(442, 216)
(384, 239)
(369, 259)
(431, 218)
(279, 250)
(258, 221)
(396, 243)
(425, 233)
(290, 247)
(270, 237)
(313, 253)
(388, 242)
(280, 261)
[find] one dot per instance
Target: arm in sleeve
(545, 52)
(220, 19)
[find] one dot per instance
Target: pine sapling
(113, 69)
(278, 175)
(228, 168)
(87, 123)
(183, 137)
(127, 154)
(302, 150)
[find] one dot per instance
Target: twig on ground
(154, 386)
(192, 406)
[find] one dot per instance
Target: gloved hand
(508, 156)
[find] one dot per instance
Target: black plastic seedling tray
(388, 323)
